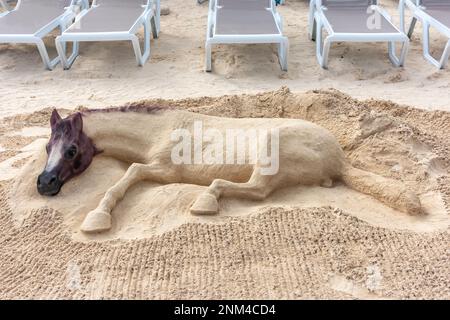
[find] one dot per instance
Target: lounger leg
(155, 31)
(426, 45)
(412, 27)
(398, 61)
(312, 25)
(147, 28)
(445, 56)
(137, 50)
(442, 63)
(326, 53)
(62, 52)
(279, 21)
(49, 64)
(313, 34)
(208, 53)
(401, 9)
(283, 49)
(155, 20)
(158, 18)
(322, 49)
(142, 58)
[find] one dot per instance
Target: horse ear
(77, 122)
(54, 119)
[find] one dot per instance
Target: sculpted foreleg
(100, 218)
(257, 188)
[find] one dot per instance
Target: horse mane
(138, 108)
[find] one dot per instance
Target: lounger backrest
(432, 2)
(116, 3)
(245, 4)
(348, 3)
(56, 3)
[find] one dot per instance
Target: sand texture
(106, 74)
(301, 242)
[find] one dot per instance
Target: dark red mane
(140, 108)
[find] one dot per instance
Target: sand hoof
(205, 204)
(96, 221)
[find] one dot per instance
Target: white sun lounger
(245, 21)
(431, 13)
(31, 20)
(113, 20)
(353, 21)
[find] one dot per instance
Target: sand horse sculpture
(143, 137)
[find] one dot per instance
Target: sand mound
(301, 242)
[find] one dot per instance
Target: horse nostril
(48, 184)
(52, 180)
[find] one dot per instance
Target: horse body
(144, 138)
(307, 155)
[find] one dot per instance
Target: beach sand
(106, 73)
(301, 242)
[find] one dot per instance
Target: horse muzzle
(48, 184)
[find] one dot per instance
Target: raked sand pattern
(299, 243)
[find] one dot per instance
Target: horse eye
(71, 153)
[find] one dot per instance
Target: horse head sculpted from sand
(167, 146)
(70, 152)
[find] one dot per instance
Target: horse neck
(127, 136)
